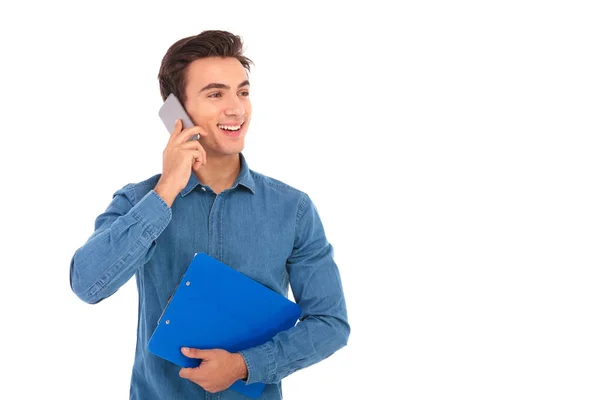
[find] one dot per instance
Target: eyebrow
(222, 86)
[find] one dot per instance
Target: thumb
(196, 353)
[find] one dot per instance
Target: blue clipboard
(216, 307)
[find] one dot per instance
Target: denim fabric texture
(262, 227)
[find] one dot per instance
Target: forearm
(118, 248)
(310, 341)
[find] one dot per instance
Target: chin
(229, 150)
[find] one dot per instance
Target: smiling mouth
(231, 128)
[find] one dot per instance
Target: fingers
(186, 372)
(199, 157)
(181, 138)
(202, 132)
(198, 151)
(195, 375)
(186, 134)
(196, 353)
(192, 145)
(180, 135)
(176, 128)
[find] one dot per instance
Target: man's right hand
(179, 157)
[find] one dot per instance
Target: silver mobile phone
(172, 110)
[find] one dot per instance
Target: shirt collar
(244, 179)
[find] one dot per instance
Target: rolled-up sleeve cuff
(260, 362)
(153, 213)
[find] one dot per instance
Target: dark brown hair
(172, 76)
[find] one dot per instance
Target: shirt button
(203, 189)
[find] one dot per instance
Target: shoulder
(134, 191)
(275, 186)
(281, 191)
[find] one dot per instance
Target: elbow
(337, 337)
(344, 333)
(81, 289)
(86, 296)
(340, 333)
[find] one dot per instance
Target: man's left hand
(218, 370)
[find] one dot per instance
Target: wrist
(167, 193)
(241, 368)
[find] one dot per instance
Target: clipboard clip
(169, 301)
(170, 297)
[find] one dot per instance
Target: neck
(219, 172)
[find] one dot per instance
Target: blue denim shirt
(262, 227)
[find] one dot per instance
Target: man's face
(217, 98)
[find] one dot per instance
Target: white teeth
(230, 128)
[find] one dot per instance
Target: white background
(450, 147)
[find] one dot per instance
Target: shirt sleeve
(323, 327)
(124, 239)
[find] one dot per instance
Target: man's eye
(215, 95)
(245, 93)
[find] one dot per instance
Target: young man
(208, 200)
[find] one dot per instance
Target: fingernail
(185, 349)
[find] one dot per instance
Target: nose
(235, 107)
